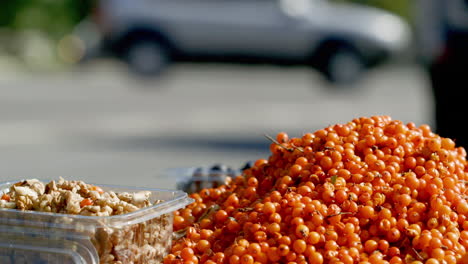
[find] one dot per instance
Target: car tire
(148, 57)
(344, 66)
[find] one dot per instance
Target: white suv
(340, 40)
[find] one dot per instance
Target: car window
(457, 13)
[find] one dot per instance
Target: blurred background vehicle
(340, 40)
(95, 122)
(442, 34)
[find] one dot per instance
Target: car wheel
(344, 66)
(148, 57)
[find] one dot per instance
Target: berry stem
(281, 145)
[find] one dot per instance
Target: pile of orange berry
(373, 190)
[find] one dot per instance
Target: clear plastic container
(140, 237)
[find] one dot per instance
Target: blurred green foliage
(54, 17)
(57, 17)
(401, 8)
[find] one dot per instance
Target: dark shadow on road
(178, 143)
(222, 142)
(232, 144)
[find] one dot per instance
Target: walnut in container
(88, 209)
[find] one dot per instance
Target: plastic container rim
(181, 199)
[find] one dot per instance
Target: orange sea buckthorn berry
(373, 190)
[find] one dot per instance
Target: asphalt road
(98, 124)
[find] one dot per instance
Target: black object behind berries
(219, 168)
(247, 165)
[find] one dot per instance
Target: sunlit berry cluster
(373, 190)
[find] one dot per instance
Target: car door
(261, 28)
(234, 27)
